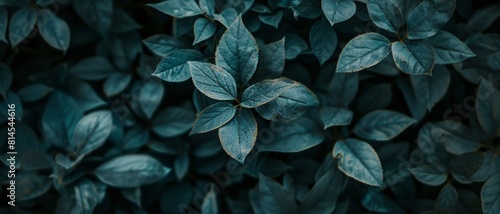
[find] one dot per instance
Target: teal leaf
(430, 89)
(309, 9)
(432, 175)
(209, 204)
(213, 117)
(227, 17)
(123, 22)
(203, 29)
(428, 17)
(91, 132)
(332, 116)
(173, 121)
(5, 79)
(263, 92)
(294, 45)
(181, 165)
(358, 160)
(238, 136)
(386, 14)
(132, 195)
(84, 194)
(213, 81)
(490, 195)
(362, 52)
(208, 6)
(84, 94)
(59, 118)
(343, 89)
(116, 83)
(447, 199)
(323, 196)
(449, 49)
(414, 57)
(92, 68)
(174, 67)
(21, 24)
(274, 198)
(295, 136)
(97, 14)
(129, 171)
(53, 29)
(382, 125)
(150, 97)
(135, 138)
(273, 19)
(271, 60)
(417, 109)
(323, 40)
(237, 52)
(178, 8)
(338, 10)
(4, 19)
(487, 105)
(34, 185)
(491, 165)
(162, 45)
(376, 97)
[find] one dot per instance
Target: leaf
(294, 45)
(382, 125)
(271, 60)
(91, 132)
(414, 57)
(447, 199)
(116, 83)
(213, 81)
(490, 195)
(449, 49)
(129, 171)
(83, 93)
(213, 117)
(332, 116)
(226, 17)
(132, 195)
(428, 17)
(5, 79)
(362, 52)
(21, 24)
(430, 89)
(338, 10)
(323, 40)
(487, 106)
(59, 118)
(203, 29)
(238, 136)
(162, 45)
(237, 52)
(208, 6)
(386, 14)
(178, 8)
(343, 88)
(290, 105)
(4, 19)
(265, 91)
(92, 68)
(273, 19)
(376, 97)
(122, 22)
(135, 138)
(295, 136)
(174, 67)
(150, 97)
(53, 29)
(310, 9)
(173, 121)
(274, 198)
(85, 193)
(31, 185)
(432, 175)
(96, 13)
(358, 160)
(209, 204)
(323, 196)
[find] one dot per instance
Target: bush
(250, 106)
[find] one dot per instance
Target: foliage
(251, 106)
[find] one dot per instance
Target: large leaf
(358, 160)
(323, 40)
(382, 125)
(173, 121)
(21, 24)
(53, 29)
(274, 198)
(174, 67)
(265, 91)
(338, 10)
(295, 136)
(490, 195)
(386, 14)
(433, 175)
(203, 29)
(91, 132)
(238, 136)
(130, 171)
(213, 81)
(430, 89)
(178, 8)
(362, 52)
(213, 117)
(323, 196)
(428, 17)
(449, 49)
(237, 52)
(414, 57)
(96, 13)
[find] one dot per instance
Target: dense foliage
(250, 106)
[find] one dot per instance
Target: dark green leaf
(323, 40)
(433, 175)
(271, 60)
(173, 121)
(382, 125)
(21, 24)
(430, 89)
(53, 29)
(323, 196)
(295, 136)
(96, 13)
(490, 195)
(274, 198)
(91, 132)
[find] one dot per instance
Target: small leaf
(129, 171)
(227, 17)
(447, 199)
(33, 92)
(386, 14)
(265, 91)
(343, 89)
(178, 8)
(487, 105)
(432, 175)
(203, 29)
(274, 198)
(294, 45)
(21, 24)
(135, 138)
(323, 196)
(309, 9)
(414, 57)
(213, 81)
(97, 14)
(272, 20)
(92, 68)
(116, 83)
(332, 116)
(150, 97)
(358, 160)
(428, 17)
(53, 29)
(382, 125)
(238, 136)
(430, 89)
(490, 195)
(174, 67)
(162, 45)
(208, 6)
(296, 136)
(338, 10)
(91, 132)
(323, 40)
(209, 204)
(363, 52)
(173, 121)
(449, 49)
(271, 60)
(237, 52)
(213, 117)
